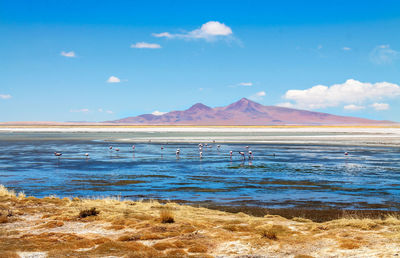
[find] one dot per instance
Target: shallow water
(306, 176)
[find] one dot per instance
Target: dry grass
(88, 212)
(150, 229)
(167, 216)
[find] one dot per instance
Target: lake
(280, 175)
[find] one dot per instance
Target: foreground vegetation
(55, 227)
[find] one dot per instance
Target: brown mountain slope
(245, 112)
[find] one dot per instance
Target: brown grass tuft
(349, 244)
(52, 224)
(166, 216)
(162, 246)
(269, 233)
(88, 212)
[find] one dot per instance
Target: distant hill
(245, 112)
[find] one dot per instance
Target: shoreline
(291, 135)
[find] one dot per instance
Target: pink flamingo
(110, 147)
(230, 153)
(133, 147)
(346, 153)
(116, 149)
(57, 154)
(251, 155)
(242, 153)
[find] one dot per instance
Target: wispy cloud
(248, 84)
(258, 96)
(145, 45)
(70, 54)
(383, 54)
(105, 111)
(242, 84)
(158, 113)
(5, 96)
(163, 35)
(83, 110)
(113, 79)
(380, 106)
(346, 48)
(350, 92)
(209, 31)
(353, 107)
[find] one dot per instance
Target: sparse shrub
(127, 238)
(269, 233)
(52, 224)
(88, 212)
(349, 244)
(163, 246)
(166, 216)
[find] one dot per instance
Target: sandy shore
(337, 135)
(53, 227)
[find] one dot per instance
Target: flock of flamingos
(178, 151)
(200, 146)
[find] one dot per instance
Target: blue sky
(103, 60)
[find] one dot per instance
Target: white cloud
(100, 110)
(246, 84)
(83, 110)
(383, 54)
(5, 96)
(211, 30)
(113, 79)
(380, 106)
(353, 107)
(158, 113)
(145, 45)
(349, 92)
(258, 96)
(69, 54)
(109, 112)
(346, 48)
(163, 35)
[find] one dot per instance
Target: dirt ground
(53, 227)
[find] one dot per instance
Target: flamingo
(178, 151)
(201, 154)
(162, 147)
(242, 153)
(346, 153)
(116, 149)
(247, 147)
(133, 147)
(87, 155)
(57, 154)
(218, 146)
(251, 155)
(110, 147)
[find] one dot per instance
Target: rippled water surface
(279, 176)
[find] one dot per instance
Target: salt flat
(338, 135)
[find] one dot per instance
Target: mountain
(245, 112)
